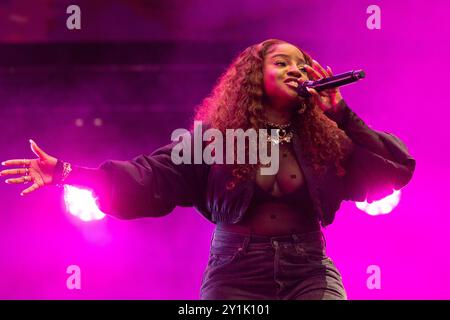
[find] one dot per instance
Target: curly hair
(237, 102)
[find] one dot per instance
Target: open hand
(38, 171)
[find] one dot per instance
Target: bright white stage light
(81, 203)
(382, 206)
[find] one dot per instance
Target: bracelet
(61, 172)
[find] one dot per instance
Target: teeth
(293, 83)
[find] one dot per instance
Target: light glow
(382, 206)
(81, 203)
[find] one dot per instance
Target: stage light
(382, 206)
(79, 122)
(81, 203)
(98, 122)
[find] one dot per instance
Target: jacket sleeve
(146, 186)
(378, 163)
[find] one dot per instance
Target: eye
(281, 63)
(302, 69)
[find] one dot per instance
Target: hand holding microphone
(324, 88)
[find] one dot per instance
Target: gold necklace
(283, 133)
(277, 126)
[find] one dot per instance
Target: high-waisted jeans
(254, 267)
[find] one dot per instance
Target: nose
(294, 72)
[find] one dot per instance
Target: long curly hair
(237, 101)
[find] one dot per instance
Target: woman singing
(268, 242)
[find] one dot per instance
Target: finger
(38, 180)
(18, 180)
(320, 69)
(315, 75)
(32, 188)
(17, 162)
(315, 95)
(327, 92)
(13, 171)
(37, 151)
(330, 72)
(312, 91)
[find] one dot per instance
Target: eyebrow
(286, 56)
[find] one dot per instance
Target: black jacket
(152, 185)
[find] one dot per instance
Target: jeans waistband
(228, 236)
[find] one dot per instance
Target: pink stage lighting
(382, 206)
(81, 203)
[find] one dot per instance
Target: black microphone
(330, 82)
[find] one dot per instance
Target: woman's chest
(287, 179)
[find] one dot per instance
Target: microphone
(330, 82)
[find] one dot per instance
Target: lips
(291, 82)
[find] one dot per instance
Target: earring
(302, 108)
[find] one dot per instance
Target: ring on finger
(27, 172)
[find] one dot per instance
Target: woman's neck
(278, 116)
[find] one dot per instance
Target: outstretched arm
(148, 185)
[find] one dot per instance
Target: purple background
(142, 66)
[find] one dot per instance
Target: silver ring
(27, 172)
(24, 163)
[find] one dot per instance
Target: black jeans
(290, 267)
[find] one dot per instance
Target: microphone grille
(360, 74)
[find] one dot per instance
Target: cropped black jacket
(152, 185)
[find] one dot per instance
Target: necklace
(283, 133)
(277, 126)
